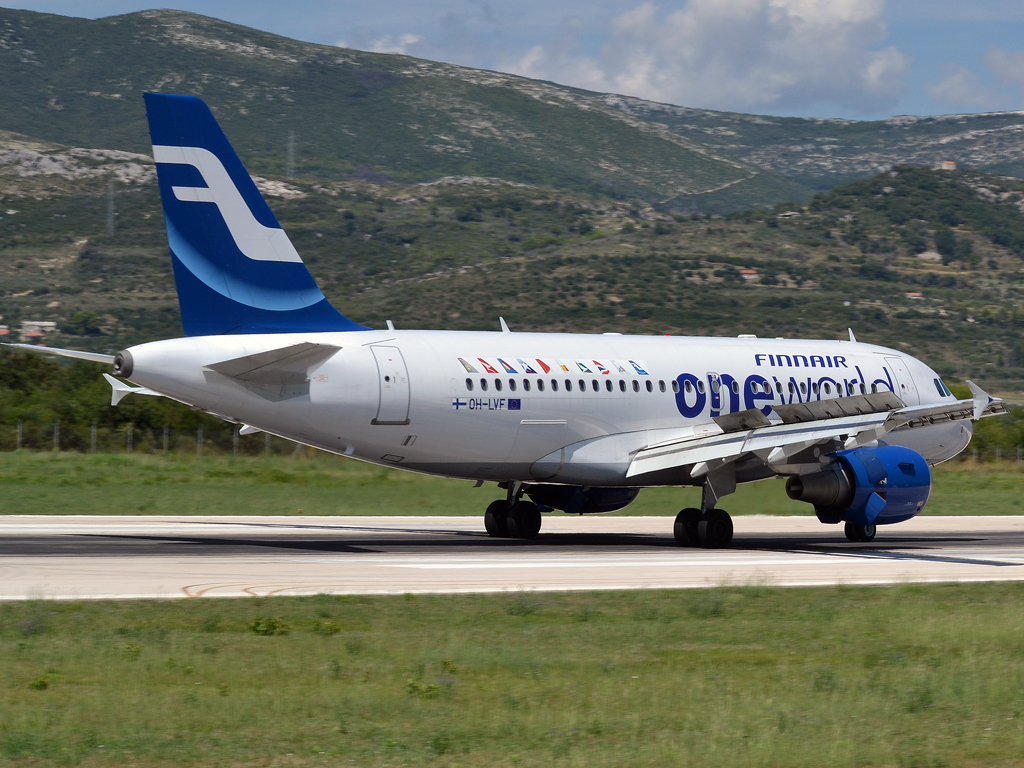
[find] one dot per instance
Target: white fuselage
(444, 402)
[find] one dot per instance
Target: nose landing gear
(859, 532)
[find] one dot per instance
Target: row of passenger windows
(852, 388)
(568, 384)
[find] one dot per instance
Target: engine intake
(867, 486)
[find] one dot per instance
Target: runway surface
(72, 557)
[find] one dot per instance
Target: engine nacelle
(577, 500)
(867, 486)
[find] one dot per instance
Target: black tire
(685, 528)
(496, 519)
(523, 520)
(715, 529)
(867, 532)
(851, 532)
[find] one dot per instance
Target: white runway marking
(165, 557)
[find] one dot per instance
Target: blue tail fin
(235, 268)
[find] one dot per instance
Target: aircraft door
(906, 390)
(394, 386)
(715, 393)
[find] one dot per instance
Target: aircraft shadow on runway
(428, 542)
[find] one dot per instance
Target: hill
(928, 260)
(348, 114)
(355, 115)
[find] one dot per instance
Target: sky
(858, 59)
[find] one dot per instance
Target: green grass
(900, 676)
(43, 483)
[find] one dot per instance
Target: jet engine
(577, 500)
(867, 486)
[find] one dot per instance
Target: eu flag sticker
(513, 403)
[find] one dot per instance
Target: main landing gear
(512, 519)
(859, 532)
(708, 526)
(712, 529)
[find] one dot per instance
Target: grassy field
(907, 676)
(318, 484)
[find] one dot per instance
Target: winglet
(982, 399)
(852, 337)
(504, 325)
(119, 390)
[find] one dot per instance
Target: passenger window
(526, 384)
(540, 385)
(735, 388)
(700, 386)
(650, 386)
(688, 387)
(874, 388)
(792, 388)
(862, 387)
(583, 385)
(568, 386)
(594, 385)
(814, 387)
(608, 384)
(483, 385)
(512, 385)
(675, 385)
(828, 388)
(497, 385)
(554, 385)
(661, 385)
(778, 387)
(636, 385)
(622, 385)
(469, 384)
(803, 387)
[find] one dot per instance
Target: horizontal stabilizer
(94, 357)
(278, 367)
(119, 390)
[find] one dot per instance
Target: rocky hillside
(379, 117)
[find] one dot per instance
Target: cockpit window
(938, 386)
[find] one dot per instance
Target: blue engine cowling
(867, 486)
(577, 500)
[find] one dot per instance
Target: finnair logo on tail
(254, 240)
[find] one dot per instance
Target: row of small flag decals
(539, 366)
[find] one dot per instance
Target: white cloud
(737, 55)
(1007, 66)
(962, 88)
(394, 43)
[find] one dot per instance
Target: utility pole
(291, 154)
(110, 207)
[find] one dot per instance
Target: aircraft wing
(854, 421)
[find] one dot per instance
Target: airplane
(572, 422)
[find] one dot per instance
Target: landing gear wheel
(496, 519)
(523, 520)
(859, 532)
(685, 528)
(715, 529)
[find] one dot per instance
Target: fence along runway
(86, 557)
